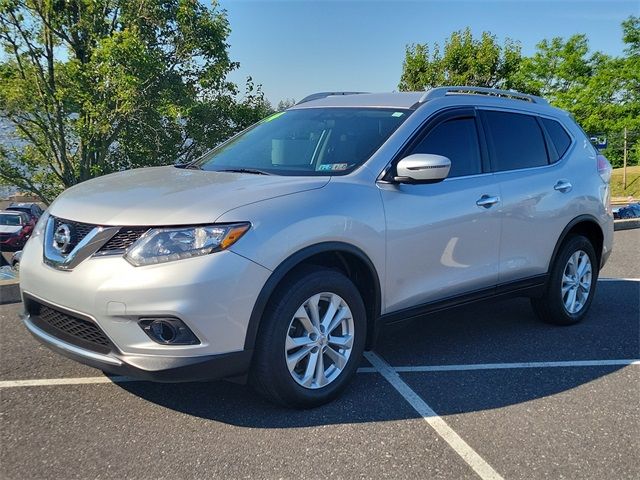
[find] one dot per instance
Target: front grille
(78, 230)
(123, 240)
(86, 332)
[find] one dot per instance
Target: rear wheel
(571, 285)
(311, 339)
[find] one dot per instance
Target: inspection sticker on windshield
(333, 167)
(397, 114)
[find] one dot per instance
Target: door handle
(563, 186)
(487, 201)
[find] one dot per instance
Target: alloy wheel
(576, 281)
(319, 340)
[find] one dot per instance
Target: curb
(10, 292)
(626, 224)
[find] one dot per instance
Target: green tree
(95, 86)
(630, 95)
(558, 69)
(463, 61)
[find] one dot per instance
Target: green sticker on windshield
(397, 114)
(272, 117)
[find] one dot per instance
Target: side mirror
(422, 168)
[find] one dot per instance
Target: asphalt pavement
(482, 391)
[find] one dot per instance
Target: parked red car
(15, 230)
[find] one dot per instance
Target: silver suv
(279, 255)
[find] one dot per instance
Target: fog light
(168, 331)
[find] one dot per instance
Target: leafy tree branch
(96, 86)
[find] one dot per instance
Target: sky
(297, 47)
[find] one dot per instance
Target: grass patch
(633, 182)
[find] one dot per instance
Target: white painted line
(462, 448)
(500, 366)
(43, 382)
(608, 279)
(367, 370)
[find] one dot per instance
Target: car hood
(171, 196)
(10, 228)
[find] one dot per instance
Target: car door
(535, 186)
(442, 238)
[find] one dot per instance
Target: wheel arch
(345, 257)
(585, 225)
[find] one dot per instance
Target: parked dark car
(630, 211)
(15, 229)
(32, 209)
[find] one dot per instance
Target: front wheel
(571, 284)
(310, 340)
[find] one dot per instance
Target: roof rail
(319, 95)
(440, 92)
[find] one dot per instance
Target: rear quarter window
(559, 137)
(515, 140)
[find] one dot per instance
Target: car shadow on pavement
(368, 399)
(498, 332)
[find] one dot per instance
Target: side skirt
(528, 287)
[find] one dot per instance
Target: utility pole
(624, 160)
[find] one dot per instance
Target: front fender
(350, 213)
(287, 230)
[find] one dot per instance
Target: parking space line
(499, 366)
(613, 279)
(43, 382)
(462, 448)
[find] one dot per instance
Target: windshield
(12, 220)
(313, 141)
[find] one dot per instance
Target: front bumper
(213, 295)
(158, 368)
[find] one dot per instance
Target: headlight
(41, 224)
(161, 245)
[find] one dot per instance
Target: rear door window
(515, 141)
(456, 139)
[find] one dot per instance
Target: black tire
(550, 307)
(269, 374)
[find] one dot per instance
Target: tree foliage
(95, 86)
(464, 60)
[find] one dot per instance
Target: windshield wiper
(245, 170)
